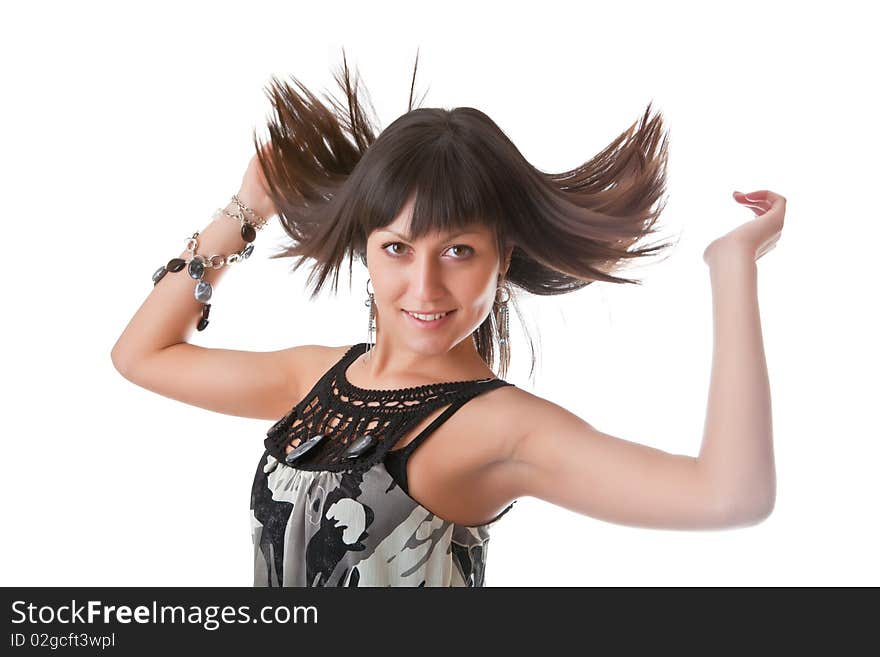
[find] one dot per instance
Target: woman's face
(456, 273)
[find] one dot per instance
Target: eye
(469, 250)
(385, 247)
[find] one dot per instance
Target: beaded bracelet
(198, 264)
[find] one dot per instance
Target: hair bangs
(446, 184)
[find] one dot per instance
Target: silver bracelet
(248, 226)
(198, 264)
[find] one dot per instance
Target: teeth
(428, 318)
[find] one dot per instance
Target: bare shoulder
(531, 411)
(504, 418)
(511, 413)
(314, 353)
(525, 422)
(308, 363)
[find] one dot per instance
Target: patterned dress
(336, 511)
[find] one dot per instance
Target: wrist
(727, 254)
(725, 264)
(249, 218)
(258, 202)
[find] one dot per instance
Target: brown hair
(333, 182)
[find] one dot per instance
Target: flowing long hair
(333, 181)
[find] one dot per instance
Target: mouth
(428, 320)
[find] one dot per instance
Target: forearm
(737, 451)
(170, 311)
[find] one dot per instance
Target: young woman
(401, 451)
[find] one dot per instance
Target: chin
(434, 345)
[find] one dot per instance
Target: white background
(124, 127)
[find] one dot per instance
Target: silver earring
(371, 325)
(502, 319)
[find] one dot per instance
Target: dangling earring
(502, 320)
(371, 325)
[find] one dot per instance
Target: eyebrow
(404, 237)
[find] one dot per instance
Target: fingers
(761, 196)
(758, 201)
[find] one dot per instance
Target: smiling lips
(428, 318)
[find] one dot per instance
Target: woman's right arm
(152, 351)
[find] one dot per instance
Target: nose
(426, 280)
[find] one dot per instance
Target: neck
(392, 362)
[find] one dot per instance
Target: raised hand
(756, 237)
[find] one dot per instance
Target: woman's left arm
(737, 451)
(561, 458)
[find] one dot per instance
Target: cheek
(479, 294)
(387, 286)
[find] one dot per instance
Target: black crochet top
(353, 428)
